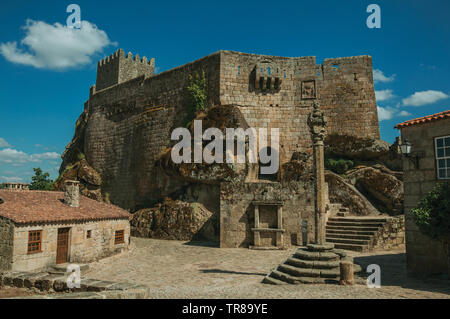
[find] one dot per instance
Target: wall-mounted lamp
(405, 147)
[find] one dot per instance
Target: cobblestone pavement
(175, 269)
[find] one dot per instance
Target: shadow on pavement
(221, 271)
(393, 273)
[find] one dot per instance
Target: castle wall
(344, 87)
(130, 124)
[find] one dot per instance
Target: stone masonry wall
(81, 249)
(6, 243)
(392, 234)
(344, 87)
(424, 255)
(237, 211)
(130, 124)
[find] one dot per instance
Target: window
(119, 237)
(34, 241)
(89, 234)
(443, 157)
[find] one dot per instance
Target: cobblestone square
(177, 269)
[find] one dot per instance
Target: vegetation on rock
(338, 166)
(196, 94)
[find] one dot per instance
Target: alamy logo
(74, 278)
(374, 20)
(74, 20)
(213, 151)
(374, 279)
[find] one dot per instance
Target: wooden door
(62, 249)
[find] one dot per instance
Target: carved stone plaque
(308, 90)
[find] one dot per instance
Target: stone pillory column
(317, 122)
(72, 193)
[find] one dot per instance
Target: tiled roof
(425, 119)
(40, 207)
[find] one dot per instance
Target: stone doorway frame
(257, 230)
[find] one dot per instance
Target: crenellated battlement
(118, 68)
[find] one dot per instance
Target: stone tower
(118, 68)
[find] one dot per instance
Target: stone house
(428, 163)
(39, 229)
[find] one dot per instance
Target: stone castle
(126, 126)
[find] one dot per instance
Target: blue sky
(47, 73)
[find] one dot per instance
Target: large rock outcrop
(90, 180)
(340, 190)
(176, 220)
(383, 187)
(355, 148)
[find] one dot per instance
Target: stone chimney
(72, 193)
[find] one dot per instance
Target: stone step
(278, 275)
(316, 264)
(351, 228)
(308, 272)
(354, 223)
(350, 232)
(358, 219)
(335, 240)
(348, 236)
(273, 281)
(322, 256)
(342, 214)
(353, 247)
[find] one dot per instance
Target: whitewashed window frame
(445, 159)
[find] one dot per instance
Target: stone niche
(268, 228)
(266, 77)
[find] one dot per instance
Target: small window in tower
(336, 66)
(239, 70)
(89, 234)
(276, 84)
(268, 83)
(268, 71)
(284, 75)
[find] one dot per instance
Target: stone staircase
(353, 233)
(312, 265)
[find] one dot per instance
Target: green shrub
(432, 214)
(41, 180)
(338, 166)
(196, 94)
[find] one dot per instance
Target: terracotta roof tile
(425, 119)
(31, 207)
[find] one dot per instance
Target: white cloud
(384, 95)
(11, 179)
(385, 113)
(12, 156)
(404, 113)
(3, 143)
(378, 76)
(424, 97)
(56, 46)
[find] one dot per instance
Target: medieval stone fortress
(119, 160)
